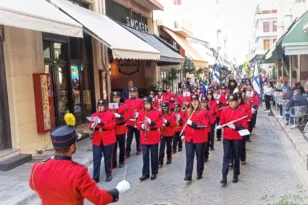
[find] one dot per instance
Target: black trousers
(150, 152)
(267, 101)
(163, 141)
(121, 142)
(243, 148)
(218, 132)
(177, 142)
(191, 149)
(207, 150)
(254, 119)
(212, 136)
(130, 134)
(232, 150)
(98, 152)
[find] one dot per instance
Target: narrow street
(271, 170)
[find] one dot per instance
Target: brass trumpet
(146, 124)
(184, 107)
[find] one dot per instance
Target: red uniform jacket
(66, 182)
(178, 127)
(222, 104)
(121, 122)
(158, 100)
(247, 109)
(229, 115)
(211, 116)
(181, 99)
(169, 128)
(151, 136)
(214, 107)
(167, 97)
(105, 133)
(133, 105)
(254, 100)
(196, 134)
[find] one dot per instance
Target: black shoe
(205, 160)
(199, 177)
(160, 164)
(143, 178)
(169, 161)
(108, 179)
(114, 166)
(218, 139)
(224, 181)
(153, 177)
(243, 162)
(212, 149)
(248, 140)
(231, 166)
(121, 165)
(174, 151)
(235, 179)
(127, 155)
(96, 180)
(188, 179)
(138, 153)
(180, 149)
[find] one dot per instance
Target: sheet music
(249, 94)
(244, 132)
(216, 96)
(113, 106)
(92, 119)
(186, 94)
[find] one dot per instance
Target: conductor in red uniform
(121, 116)
(103, 139)
(195, 138)
(60, 180)
(232, 138)
(149, 123)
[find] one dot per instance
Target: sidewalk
(295, 136)
(14, 184)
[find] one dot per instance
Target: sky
(236, 20)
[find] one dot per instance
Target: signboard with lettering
(138, 25)
(128, 67)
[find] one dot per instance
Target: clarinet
(146, 126)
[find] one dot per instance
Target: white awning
(124, 44)
(38, 15)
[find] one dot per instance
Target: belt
(153, 128)
(122, 123)
(100, 129)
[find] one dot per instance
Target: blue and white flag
(216, 75)
(256, 80)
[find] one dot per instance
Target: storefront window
(86, 89)
(62, 92)
(60, 51)
(76, 89)
(46, 48)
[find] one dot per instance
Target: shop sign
(139, 26)
(128, 67)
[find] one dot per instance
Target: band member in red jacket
(60, 180)
(184, 100)
(121, 116)
(209, 114)
(103, 139)
(247, 109)
(149, 123)
(167, 132)
(134, 105)
(221, 103)
(195, 138)
(253, 101)
(159, 98)
(232, 138)
(214, 108)
(169, 97)
(180, 118)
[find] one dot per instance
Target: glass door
(76, 92)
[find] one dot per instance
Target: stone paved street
(269, 170)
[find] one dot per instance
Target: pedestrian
(150, 123)
(268, 91)
(232, 139)
(167, 132)
(126, 91)
(60, 180)
(195, 138)
(121, 115)
(180, 117)
(103, 140)
(134, 105)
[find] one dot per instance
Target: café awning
(124, 45)
(189, 50)
(38, 15)
(167, 54)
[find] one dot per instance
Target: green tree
(188, 66)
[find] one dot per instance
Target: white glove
(117, 115)
(217, 101)
(231, 125)
(143, 126)
(93, 126)
(97, 121)
(136, 114)
(189, 122)
(149, 120)
(218, 127)
(165, 121)
(253, 110)
(182, 138)
(123, 186)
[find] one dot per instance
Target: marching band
(162, 123)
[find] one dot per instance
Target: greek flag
(216, 75)
(256, 80)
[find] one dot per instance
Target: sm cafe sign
(139, 26)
